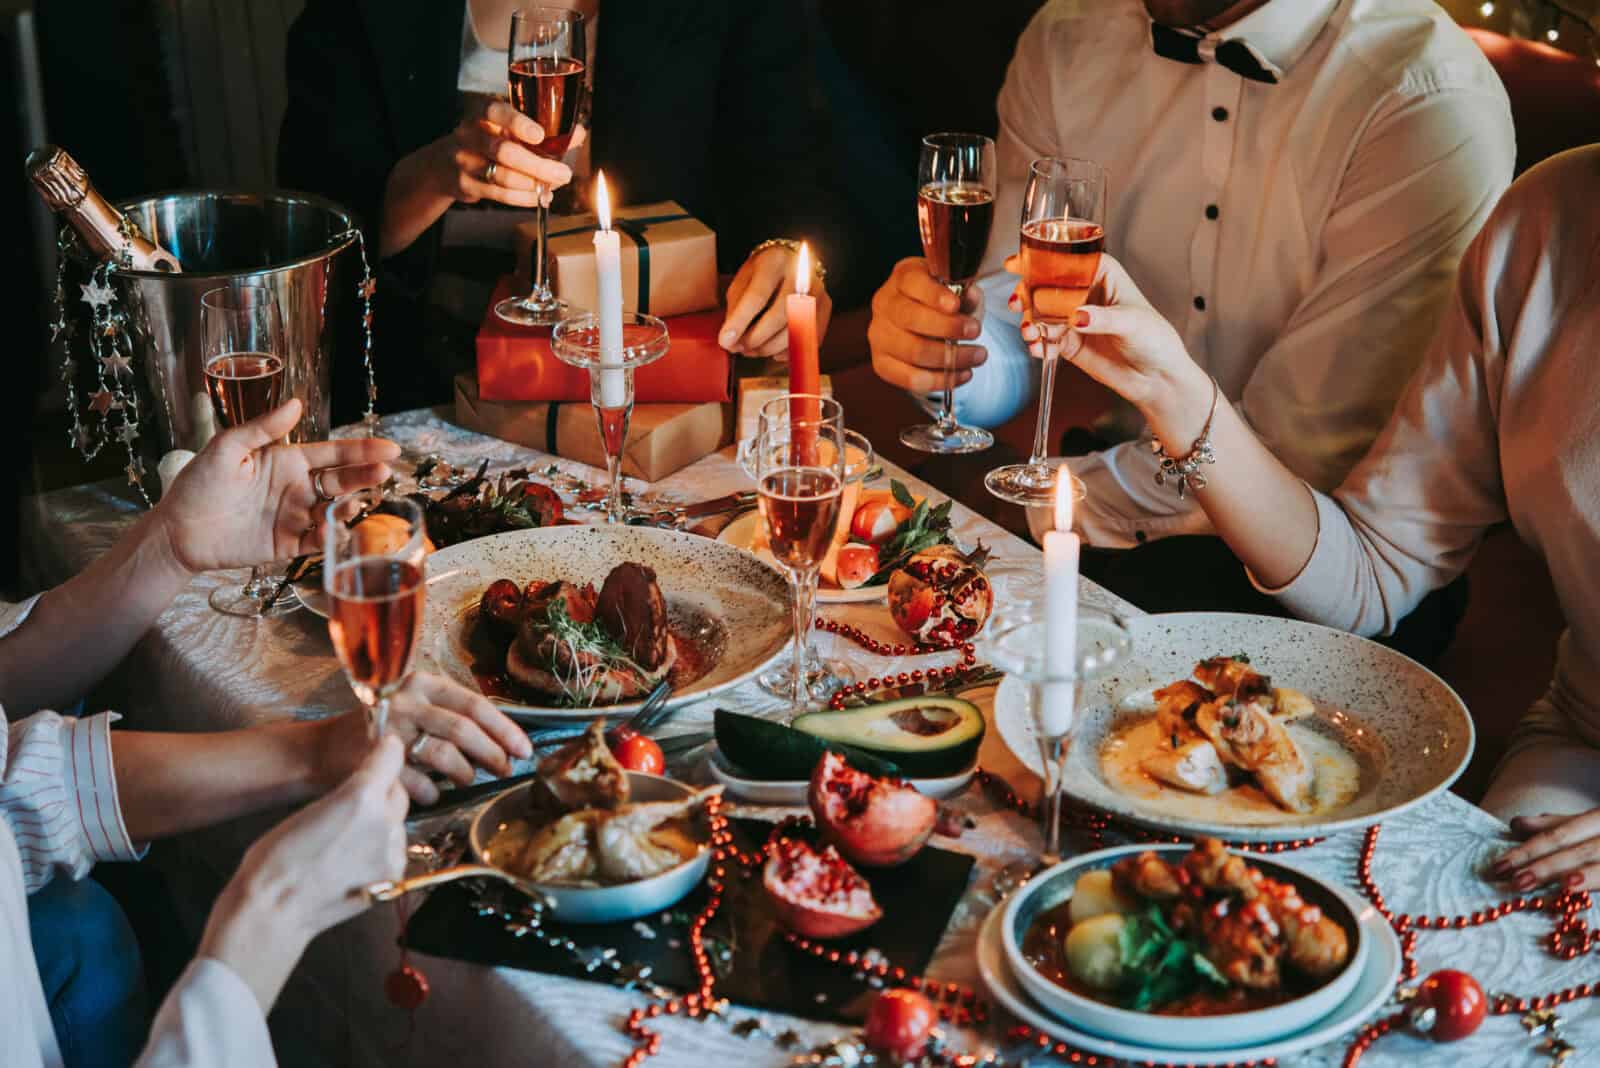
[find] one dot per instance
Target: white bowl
(602, 904)
(1055, 885)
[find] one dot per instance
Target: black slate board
(762, 970)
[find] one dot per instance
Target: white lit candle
(1061, 610)
(608, 274)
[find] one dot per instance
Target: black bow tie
(1235, 55)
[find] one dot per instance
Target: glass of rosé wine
(823, 676)
(241, 330)
(578, 341)
(1063, 233)
(374, 573)
(800, 470)
(547, 62)
(955, 209)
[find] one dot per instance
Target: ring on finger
(316, 484)
(488, 172)
(414, 750)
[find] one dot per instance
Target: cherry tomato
(638, 753)
(543, 502)
(898, 1023)
(1457, 1002)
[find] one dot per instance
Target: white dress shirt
(1301, 236)
(59, 815)
(1501, 422)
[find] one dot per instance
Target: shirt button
(1199, 303)
(1220, 114)
(1140, 536)
(1211, 211)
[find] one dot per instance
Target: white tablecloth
(199, 670)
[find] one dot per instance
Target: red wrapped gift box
(515, 363)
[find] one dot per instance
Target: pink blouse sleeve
(58, 790)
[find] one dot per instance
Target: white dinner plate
(741, 533)
(1372, 991)
(734, 606)
(1408, 732)
(793, 791)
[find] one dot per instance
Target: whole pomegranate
(898, 1022)
(878, 823)
(941, 596)
(816, 894)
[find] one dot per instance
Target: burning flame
(802, 270)
(602, 200)
(1063, 499)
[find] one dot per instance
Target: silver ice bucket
(299, 246)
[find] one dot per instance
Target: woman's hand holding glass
(1122, 342)
(250, 498)
(306, 874)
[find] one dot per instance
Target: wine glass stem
(378, 718)
(1041, 431)
(803, 586)
(947, 397)
(541, 284)
(254, 586)
(615, 513)
(1052, 804)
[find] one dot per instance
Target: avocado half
(928, 737)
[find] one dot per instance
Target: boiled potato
(1094, 951)
(1095, 895)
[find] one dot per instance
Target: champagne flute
(1063, 233)
(955, 207)
(375, 586)
(822, 676)
(547, 66)
(800, 477)
(241, 330)
(1055, 689)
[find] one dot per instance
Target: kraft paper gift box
(662, 438)
(669, 259)
(516, 363)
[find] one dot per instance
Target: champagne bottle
(102, 229)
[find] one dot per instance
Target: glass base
(932, 437)
(242, 601)
(526, 311)
(1014, 876)
(823, 678)
(1023, 484)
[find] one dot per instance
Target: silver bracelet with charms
(1185, 471)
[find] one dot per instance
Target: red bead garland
(1570, 938)
(969, 657)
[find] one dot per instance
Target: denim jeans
(92, 974)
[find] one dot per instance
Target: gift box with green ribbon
(669, 259)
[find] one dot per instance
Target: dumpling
(629, 844)
(1194, 766)
(562, 852)
(584, 774)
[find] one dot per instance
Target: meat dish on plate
(1207, 935)
(1229, 728)
(581, 829)
(557, 641)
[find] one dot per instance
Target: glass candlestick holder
(1056, 688)
(576, 341)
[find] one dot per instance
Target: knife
(966, 679)
(683, 513)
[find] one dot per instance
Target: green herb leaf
(901, 494)
(1161, 966)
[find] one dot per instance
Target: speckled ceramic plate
(1380, 717)
(741, 533)
(734, 607)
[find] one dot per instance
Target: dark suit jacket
(707, 102)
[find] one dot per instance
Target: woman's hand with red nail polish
(1558, 850)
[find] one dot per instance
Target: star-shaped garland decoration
(135, 472)
(104, 401)
(69, 370)
(83, 438)
(368, 288)
(128, 432)
(96, 294)
(117, 364)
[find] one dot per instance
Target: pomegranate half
(941, 596)
(879, 823)
(816, 894)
